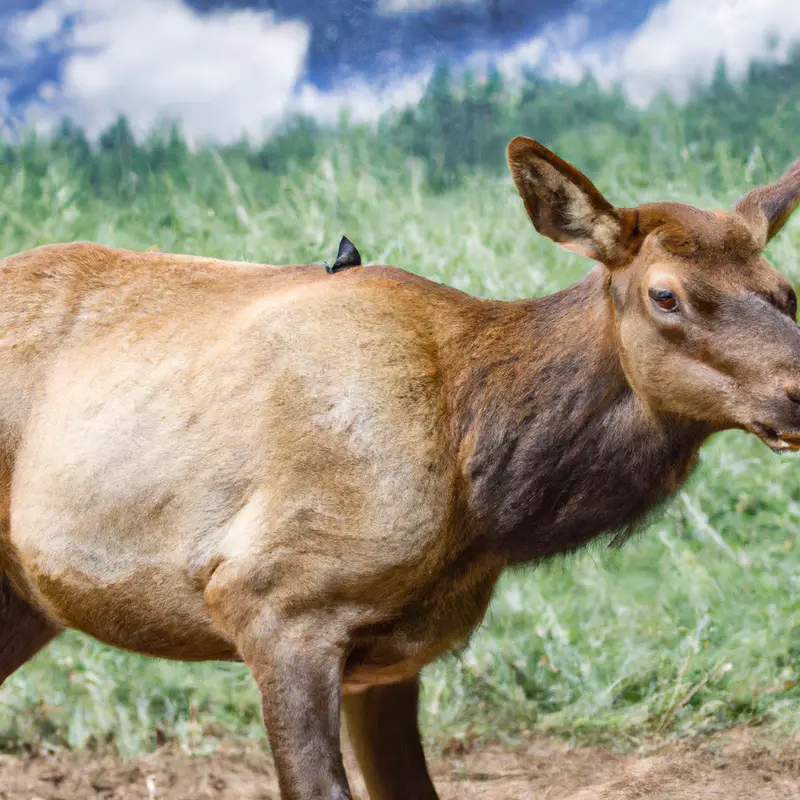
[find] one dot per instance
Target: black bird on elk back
(348, 256)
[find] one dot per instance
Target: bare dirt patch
(739, 764)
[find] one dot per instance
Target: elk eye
(664, 299)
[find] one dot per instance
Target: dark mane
(561, 449)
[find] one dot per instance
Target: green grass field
(694, 625)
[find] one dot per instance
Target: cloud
(405, 6)
(364, 102)
(677, 46)
(681, 41)
(38, 25)
(223, 74)
(567, 36)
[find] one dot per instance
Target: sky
(228, 69)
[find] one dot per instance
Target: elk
(323, 475)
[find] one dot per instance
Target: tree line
(460, 126)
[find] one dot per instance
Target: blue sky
(239, 67)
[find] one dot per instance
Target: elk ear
(767, 208)
(566, 206)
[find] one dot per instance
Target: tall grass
(693, 625)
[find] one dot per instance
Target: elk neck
(555, 447)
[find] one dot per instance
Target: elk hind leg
(383, 730)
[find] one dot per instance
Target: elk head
(705, 326)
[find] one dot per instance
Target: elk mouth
(777, 441)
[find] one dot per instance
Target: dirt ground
(739, 764)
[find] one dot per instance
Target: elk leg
(382, 727)
(299, 672)
(23, 630)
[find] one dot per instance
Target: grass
(693, 626)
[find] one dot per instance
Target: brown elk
(323, 475)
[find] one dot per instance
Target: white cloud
(677, 46)
(39, 25)
(563, 37)
(222, 74)
(681, 41)
(364, 102)
(404, 6)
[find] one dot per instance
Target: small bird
(348, 256)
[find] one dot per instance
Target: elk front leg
(298, 667)
(23, 630)
(382, 727)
